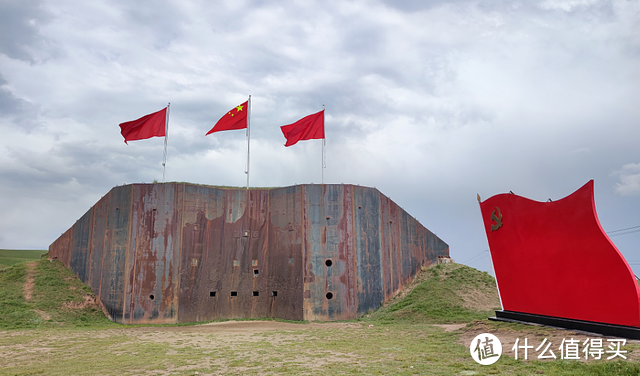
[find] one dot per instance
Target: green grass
(10, 257)
(437, 299)
(15, 312)
(398, 339)
(54, 287)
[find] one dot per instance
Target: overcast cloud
(429, 101)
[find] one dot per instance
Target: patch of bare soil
(480, 299)
(535, 336)
(88, 301)
(450, 327)
(27, 290)
(43, 315)
(246, 327)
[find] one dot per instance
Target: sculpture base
(629, 332)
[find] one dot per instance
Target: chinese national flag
(152, 125)
(234, 119)
(308, 128)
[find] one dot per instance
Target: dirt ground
(240, 331)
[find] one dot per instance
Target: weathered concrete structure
(178, 252)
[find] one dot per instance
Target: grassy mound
(445, 293)
(44, 293)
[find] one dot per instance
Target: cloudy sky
(431, 102)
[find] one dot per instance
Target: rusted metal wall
(95, 248)
(165, 253)
(284, 253)
(153, 260)
(235, 264)
(361, 249)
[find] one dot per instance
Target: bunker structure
(180, 252)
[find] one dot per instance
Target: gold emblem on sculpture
(497, 219)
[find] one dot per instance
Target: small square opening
(212, 294)
(274, 293)
(234, 293)
(255, 272)
(256, 293)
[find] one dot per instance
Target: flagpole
(166, 136)
(324, 142)
(248, 140)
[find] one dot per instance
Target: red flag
(234, 119)
(308, 128)
(152, 125)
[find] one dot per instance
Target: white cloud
(629, 180)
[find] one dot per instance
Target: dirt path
(27, 290)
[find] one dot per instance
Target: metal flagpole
(324, 142)
(166, 136)
(248, 140)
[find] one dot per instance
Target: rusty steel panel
(154, 254)
(61, 248)
(116, 247)
(397, 283)
(314, 255)
(338, 259)
(368, 248)
(284, 261)
(345, 269)
(175, 252)
(386, 248)
(329, 253)
(258, 254)
(235, 260)
(224, 254)
(202, 253)
(100, 212)
(80, 249)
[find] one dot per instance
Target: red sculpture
(553, 259)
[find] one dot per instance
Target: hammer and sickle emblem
(497, 219)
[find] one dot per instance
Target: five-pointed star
(239, 108)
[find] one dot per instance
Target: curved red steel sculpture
(554, 259)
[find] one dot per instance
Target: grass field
(10, 257)
(426, 331)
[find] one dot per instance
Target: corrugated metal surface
(369, 253)
(154, 257)
(97, 249)
(283, 252)
(115, 271)
(164, 253)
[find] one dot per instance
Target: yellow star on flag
(236, 118)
